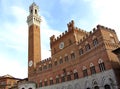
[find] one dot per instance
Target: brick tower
(34, 46)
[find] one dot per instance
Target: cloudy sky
(55, 15)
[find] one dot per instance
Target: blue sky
(55, 15)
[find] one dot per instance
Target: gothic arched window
(92, 68)
(76, 74)
(101, 65)
(85, 73)
(95, 42)
(107, 87)
(96, 87)
(87, 47)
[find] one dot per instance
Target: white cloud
(15, 37)
(46, 33)
(107, 13)
(13, 68)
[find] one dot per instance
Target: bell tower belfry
(34, 44)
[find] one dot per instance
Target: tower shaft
(34, 43)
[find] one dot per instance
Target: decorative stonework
(100, 80)
(33, 17)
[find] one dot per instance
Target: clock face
(30, 63)
(61, 45)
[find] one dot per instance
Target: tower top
(33, 17)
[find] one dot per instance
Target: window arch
(40, 68)
(40, 84)
(68, 76)
(96, 87)
(76, 74)
(51, 81)
(87, 47)
(55, 63)
(88, 88)
(57, 79)
(92, 68)
(72, 55)
(101, 65)
(45, 67)
(30, 88)
(35, 11)
(45, 82)
(95, 41)
(66, 58)
(80, 51)
(85, 73)
(50, 65)
(60, 61)
(62, 78)
(107, 86)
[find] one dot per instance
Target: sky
(55, 15)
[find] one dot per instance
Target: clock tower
(34, 46)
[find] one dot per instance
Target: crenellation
(76, 28)
(94, 29)
(65, 31)
(60, 36)
(90, 32)
(57, 38)
(70, 25)
(105, 28)
(52, 38)
(63, 34)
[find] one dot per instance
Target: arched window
(88, 88)
(31, 11)
(85, 73)
(45, 83)
(50, 65)
(45, 67)
(68, 76)
(66, 58)
(40, 84)
(61, 61)
(40, 68)
(92, 68)
(63, 78)
(81, 51)
(96, 87)
(35, 11)
(57, 79)
(23, 88)
(72, 55)
(51, 81)
(87, 47)
(107, 87)
(95, 42)
(30, 88)
(55, 63)
(76, 74)
(101, 65)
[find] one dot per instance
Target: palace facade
(79, 59)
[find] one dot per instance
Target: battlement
(71, 27)
(46, 60)
(105, 28)
(98, 27)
